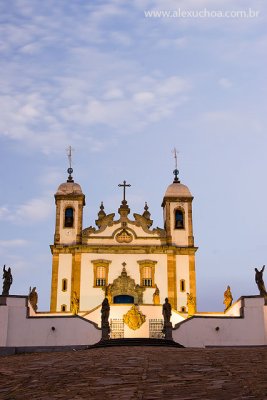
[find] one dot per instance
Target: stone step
(136, 342)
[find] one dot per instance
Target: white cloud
(225, 83)
(32, 211)
(13, 243)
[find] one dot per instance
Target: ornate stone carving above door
(125, 285)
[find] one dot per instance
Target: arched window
(182, 285)
(179, 219)
(64, 285)
(69, 220)
(63, 307)
(183, 309)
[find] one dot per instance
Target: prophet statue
(228, 298)
(156, 298)
(33, 298)
(259, 281)
(8, 280)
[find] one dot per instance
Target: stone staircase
(136, 342)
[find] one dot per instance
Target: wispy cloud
(32, 211)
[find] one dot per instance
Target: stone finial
(101, 213)
(146, 213)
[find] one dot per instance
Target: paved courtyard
(136, 373)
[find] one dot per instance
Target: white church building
(136, 267)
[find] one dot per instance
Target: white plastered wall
(20, 330)
(91, 297)
(64, 272)
(201, 331)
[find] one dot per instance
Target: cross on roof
(124, 185)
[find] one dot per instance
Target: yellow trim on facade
(192, 278)
(172, 286)
(54, 283)
(76, 275)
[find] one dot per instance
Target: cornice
(119, 249)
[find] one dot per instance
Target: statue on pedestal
(108, 293)
(228, 298)
(75, 302)
(167, 312)
(8, 280)
(156, 298)
(33, 298)
(104, 319)
(259, 281)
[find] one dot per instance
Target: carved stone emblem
(134, 318)
(124, 236)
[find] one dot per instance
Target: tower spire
(70, 170)
(176, 171)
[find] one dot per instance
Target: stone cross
(124, 185)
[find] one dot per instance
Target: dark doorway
(123, 299)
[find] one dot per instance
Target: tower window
(179, 219)
(183, 309)
(64, 285)
(63, 307)
(69, 220)
(182, 285)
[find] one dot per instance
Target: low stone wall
(247, 329)
(18, 328)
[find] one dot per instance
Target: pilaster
(192, 277)
(76, 275)
(172, 285)
(54, 283)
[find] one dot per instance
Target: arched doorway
(123, 299)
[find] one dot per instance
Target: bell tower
(70, 201)
(178, 224)
(66, 264)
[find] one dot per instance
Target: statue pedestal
(105, 331)
(167, 330)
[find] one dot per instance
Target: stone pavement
(126, 373)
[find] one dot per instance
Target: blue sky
(123, 90)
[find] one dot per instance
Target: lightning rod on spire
(70, 170)
(176, 171)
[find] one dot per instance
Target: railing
(116, 328)
(155, 328)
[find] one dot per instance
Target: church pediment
(122, 233)
(122, 230)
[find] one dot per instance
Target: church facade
(124, 259)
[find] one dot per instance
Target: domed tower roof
(69, 188)
(177, 189)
